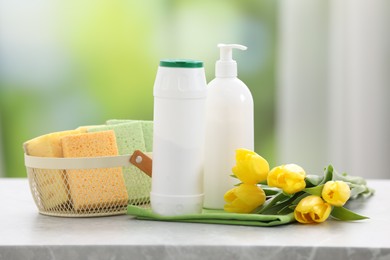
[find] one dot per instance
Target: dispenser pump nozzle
(226, 67)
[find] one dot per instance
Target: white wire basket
(86, 187)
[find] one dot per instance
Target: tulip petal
(250, 167)
(244, 198)
(336, 193)
(312, 209)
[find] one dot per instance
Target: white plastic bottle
(178, 138)
(229, 126)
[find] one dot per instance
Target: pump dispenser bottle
(229, 126)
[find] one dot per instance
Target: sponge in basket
(129, 137)
(147, 130)
(48, 145)
(94, 188)
(51, 185)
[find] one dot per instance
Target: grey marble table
(25, 234)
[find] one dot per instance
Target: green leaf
(357, 189)
(278, 198)
(282, 206)
(263, 182)
(328, 174)
(367, 193)
(317, 190)
(347, 178)
(299, 197)
(290, 204)
(357, 184)
(273, 210)
(270, 191)
(286, 209)
(313, 180)
(342, 213)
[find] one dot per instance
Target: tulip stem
(275, 203)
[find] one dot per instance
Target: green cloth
(215, 217)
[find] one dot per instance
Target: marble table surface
(26, 234)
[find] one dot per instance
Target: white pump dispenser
(229, 126)
(227, 67)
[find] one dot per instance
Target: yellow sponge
(52, 187)
(92, 188)
(48, 145)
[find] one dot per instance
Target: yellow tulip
(290, 178)
(312, 209)
(336, 193)
(244, 198)
(250, 167)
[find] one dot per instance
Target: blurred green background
(69, 63)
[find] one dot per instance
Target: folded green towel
(215, 217)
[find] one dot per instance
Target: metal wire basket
(86, 187)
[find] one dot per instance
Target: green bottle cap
(181, 63)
